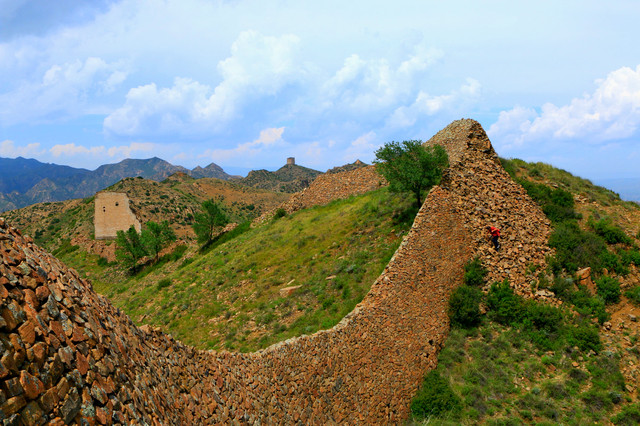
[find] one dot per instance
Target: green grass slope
(230, 296)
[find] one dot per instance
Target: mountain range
(27, 181)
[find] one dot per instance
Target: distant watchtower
(291, 161)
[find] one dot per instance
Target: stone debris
(288, 291)
(69, 356)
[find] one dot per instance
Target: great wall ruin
(112, 213)
(70, 356)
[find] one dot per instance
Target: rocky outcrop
(69, 356)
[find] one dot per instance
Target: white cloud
(425, 104)
(268, 139)
(363, 86)
(62, 91)
(362, 147)
(611, 112)
(119, 152)
(9, 149)
(258, 66)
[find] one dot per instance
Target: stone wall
(70, 356)
(488, 196)
(112, 214)
(331, 186)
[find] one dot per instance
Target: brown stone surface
(90, 364)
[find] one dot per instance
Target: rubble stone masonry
(69, 356)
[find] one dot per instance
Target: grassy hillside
(176, 199)
(229, 297)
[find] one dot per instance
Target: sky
(246, 84)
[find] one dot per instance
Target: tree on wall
(409, 166)
(157, 236)
(130, 248)
(206, 222)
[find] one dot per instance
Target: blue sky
(246, 84)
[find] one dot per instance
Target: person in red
(495, 235)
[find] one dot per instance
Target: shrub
(576, 248)
(562, 287)
(280, 212)
(596, 401)
(464, 306)
(611, 233)
(435, 398)
(633, 294)
(165, 282)
(627, 257)
(543, 317)
(103, 261)
(629, 415)
(588, 305)
(585, 337)
(557, 203)
(504, 305)
(608, 289)
(474, 273)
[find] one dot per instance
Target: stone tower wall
(112, 213)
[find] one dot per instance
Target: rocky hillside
(289, 178)
(26, 181)
(175, 199)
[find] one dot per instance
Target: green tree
(157, 236)
(130, 248)
(409, 166)
(206, 222)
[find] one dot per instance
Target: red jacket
(495, 232)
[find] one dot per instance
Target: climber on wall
(495, 236)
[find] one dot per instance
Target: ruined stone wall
(69, 356)
(488, 196)
(112, 213)
(331, 186)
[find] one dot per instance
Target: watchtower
(112, 214)
(291, 161)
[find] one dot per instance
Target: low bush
(436, 398)
(627, 257)
(464, 306)
(576, 249)
(585, 337)
(563, 287)
(633, 294)
(608, 289)
(474, 273)
(505, 307)
(611, 233)
(629, 415)
(165, 282)
(543, 317)
(589, 306)
(280, 212)
(596, 401)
